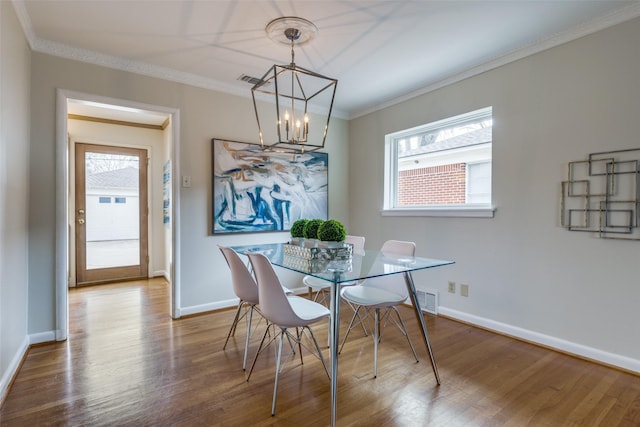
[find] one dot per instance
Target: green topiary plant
(297, 228)
(311, 228)
(332, 231)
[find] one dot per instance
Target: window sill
(451, 212)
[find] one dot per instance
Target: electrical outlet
(464, 290)
(452, 287)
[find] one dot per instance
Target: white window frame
(391, 176)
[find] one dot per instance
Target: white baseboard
(12, 368)
(48, 336)
(160, 273)
(203, 308)
(546, 340)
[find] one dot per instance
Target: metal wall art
(258, 191)
(602, 195)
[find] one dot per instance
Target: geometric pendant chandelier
(292, 104)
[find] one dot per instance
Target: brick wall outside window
(437, 185)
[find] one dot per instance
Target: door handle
(81, 221)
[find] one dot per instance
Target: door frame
(104, 275)
(62, 269)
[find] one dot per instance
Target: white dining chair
(246, 289)
(319, 288)
(284, 312)
(381, 293)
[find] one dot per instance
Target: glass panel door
(111, 213)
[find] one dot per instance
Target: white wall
(154, 142)
(14, 192)
(205, 279)
(527, 275)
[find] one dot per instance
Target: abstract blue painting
(259, 191)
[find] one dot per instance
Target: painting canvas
(260, 191)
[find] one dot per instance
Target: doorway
(111, 213)
(65, 203)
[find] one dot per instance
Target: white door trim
(62, 203)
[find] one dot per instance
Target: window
(121, 200)
(441, 168)
(104, 200)
(478, 184)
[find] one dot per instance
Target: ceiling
(381, 52)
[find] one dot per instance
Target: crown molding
(133, 66)
(61, 50)
(618, 16)
(91, 57)
(138, 67)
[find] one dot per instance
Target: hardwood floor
(126, 363)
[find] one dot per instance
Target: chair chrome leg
(232, 330)
(291, 344)
(406, 334)
(329, 333)
(313, 336)
(376, 339)
(266, 332)
(299, 341)
(364, 328)
(346, 335)
(275, 387)
(246, 344)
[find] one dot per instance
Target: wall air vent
(249, 79)
(428, 300)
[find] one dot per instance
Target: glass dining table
(363, 265)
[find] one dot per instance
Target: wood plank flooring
(127, 363)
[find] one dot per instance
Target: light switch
(186, 180)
